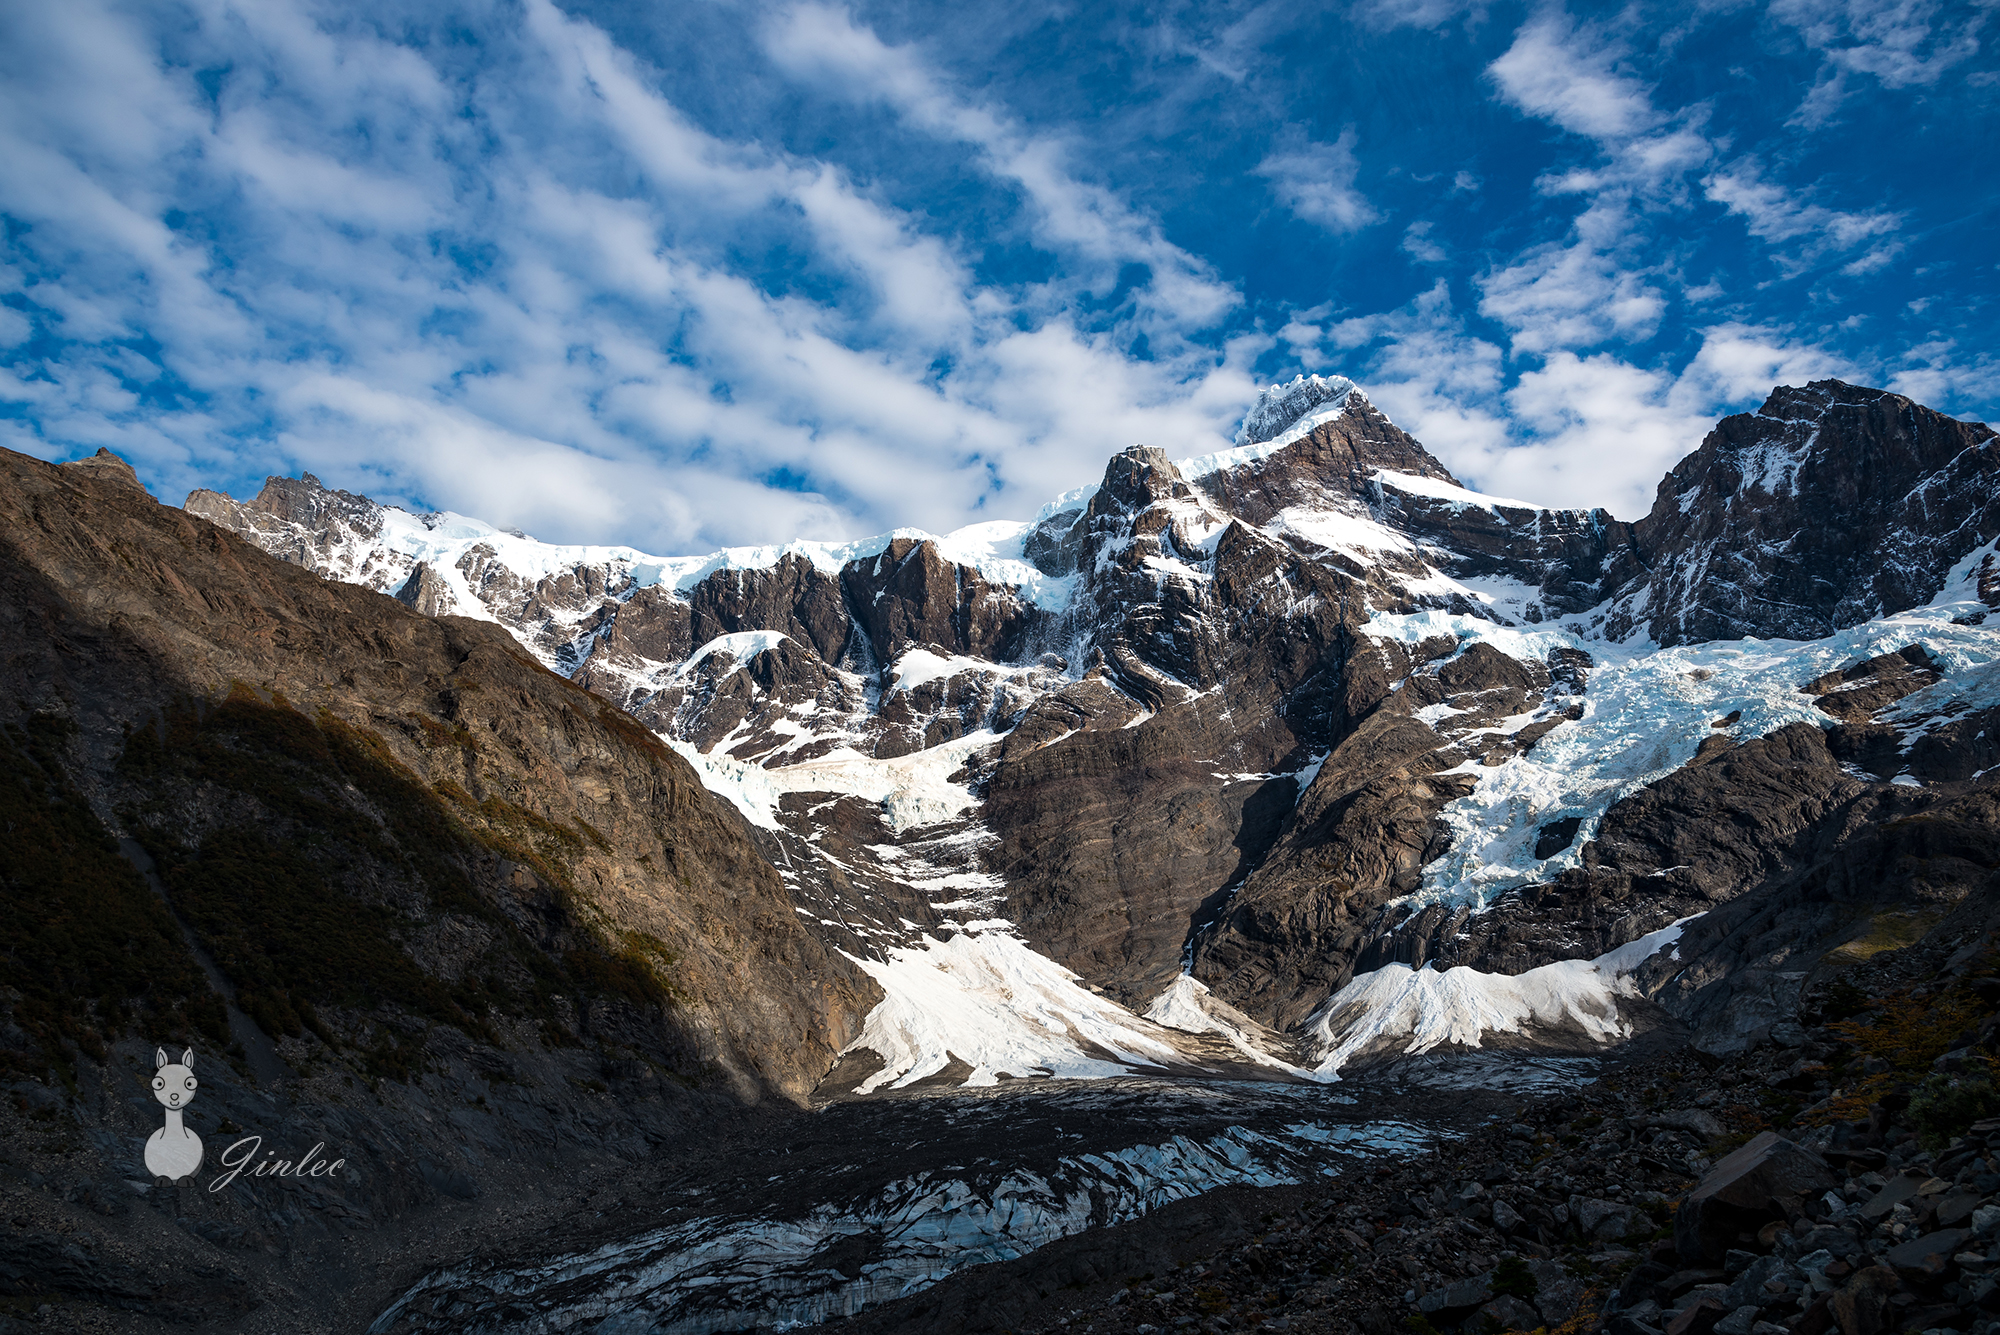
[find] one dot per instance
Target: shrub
(1512, 1277)
(1945, 1106)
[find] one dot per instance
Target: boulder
(1692, 1120)
(1454, 1301)
(1505, 1217)
(1512, 1313)
(1558, 1293)
(1697, 1318)
(1899, 1190)
(1927, 1257)
(1957, 1207)
(1743, 1191)
(1747, 1289)
(1861, 1307)
(1738, 1322)
(1602, 1219)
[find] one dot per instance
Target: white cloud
(1418, 245)
(1092, 225)
(1603, 281)
(1316, 181)
(1739, 363)
(522, 297)
(1570, 77)
(1900, 43)
(1777, 215)
(1580, 291)
(1576, 431)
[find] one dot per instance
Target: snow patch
(1187, 1005)
(742, 645)
(1283, 414)
(1355, 533)
(1002, 1009)
(1460, 1005)
(914, 790)
(1440, 490)
(1279, 407)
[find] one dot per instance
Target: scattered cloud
(1418, 245)
(1899, 43)
(1779, 216)
(600, 275)
(1316, 181)
(1569, 76)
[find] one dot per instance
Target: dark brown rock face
(1829, 505)
(909, 595)
(791, 597)
(1310, 916)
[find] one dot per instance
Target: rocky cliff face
(1264, 727)
(1829, 506)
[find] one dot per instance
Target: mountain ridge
(1180, 664)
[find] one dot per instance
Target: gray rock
(1692, 1120)
(1558, 1293)
(1743, 1191)
(1899, 1189)
(1506, 1218)
(1603, 1219)
(1512, 1313)
(1927, 1256)
(1461, 1297)
(1738, 1322)
(1748, 1287)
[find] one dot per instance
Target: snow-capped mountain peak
(1278, 407)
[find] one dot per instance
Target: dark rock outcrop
(1829, 505)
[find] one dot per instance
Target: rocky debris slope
(1845, 1175)
(404, 891)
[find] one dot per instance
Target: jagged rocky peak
(303, 500)
(1330, 454)
(1827, 507)
(1280, 407)
(1143, 492)
(1139, 476)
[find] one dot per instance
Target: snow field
(1187, 1005)
(914, 790)
(1001, 1008)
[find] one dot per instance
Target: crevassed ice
(1645, 713)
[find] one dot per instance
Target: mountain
(543, 884)
(1222, 743)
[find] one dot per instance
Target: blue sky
(704, 272)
